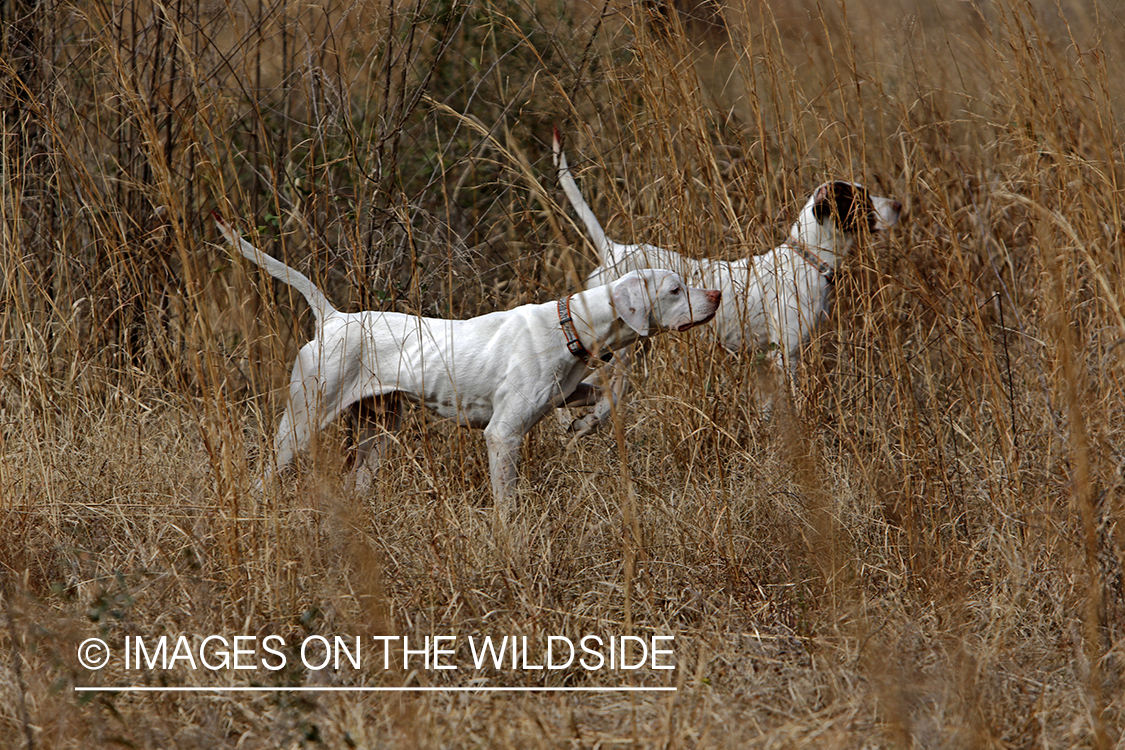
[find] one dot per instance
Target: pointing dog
(771, 301)
(501, 372)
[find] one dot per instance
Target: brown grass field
(926, 552)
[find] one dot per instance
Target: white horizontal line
(323, 689)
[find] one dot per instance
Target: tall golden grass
(927, 552)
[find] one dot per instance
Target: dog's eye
(675, 291)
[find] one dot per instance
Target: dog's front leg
(793, 336)
(615, 380)
(586, 394)
(503, 459)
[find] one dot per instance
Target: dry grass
(929, 553)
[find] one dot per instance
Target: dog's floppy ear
(849, 201)
(631, 301)
(823, 199)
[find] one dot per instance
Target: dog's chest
(767, 293)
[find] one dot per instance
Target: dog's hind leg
(297, 423)
(314, 400)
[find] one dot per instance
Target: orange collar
(573, 345)
(822, 266)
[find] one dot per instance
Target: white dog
(770, 301)
(502, 371)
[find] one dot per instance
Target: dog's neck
(598, 327)
(822, 239)
(573, 341)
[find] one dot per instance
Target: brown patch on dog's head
(849, 204)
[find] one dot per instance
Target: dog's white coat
(501, 372)
(771, 299)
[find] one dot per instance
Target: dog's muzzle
(714, 296)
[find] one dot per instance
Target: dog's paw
(563, 415)
(584, 426)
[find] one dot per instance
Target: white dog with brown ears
(771, 301)
(501, 372)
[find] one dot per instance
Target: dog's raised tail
(602, 244)
(320, 305)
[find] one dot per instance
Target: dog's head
(658, 299)
(847, 208)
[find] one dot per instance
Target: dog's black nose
(897, 207)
